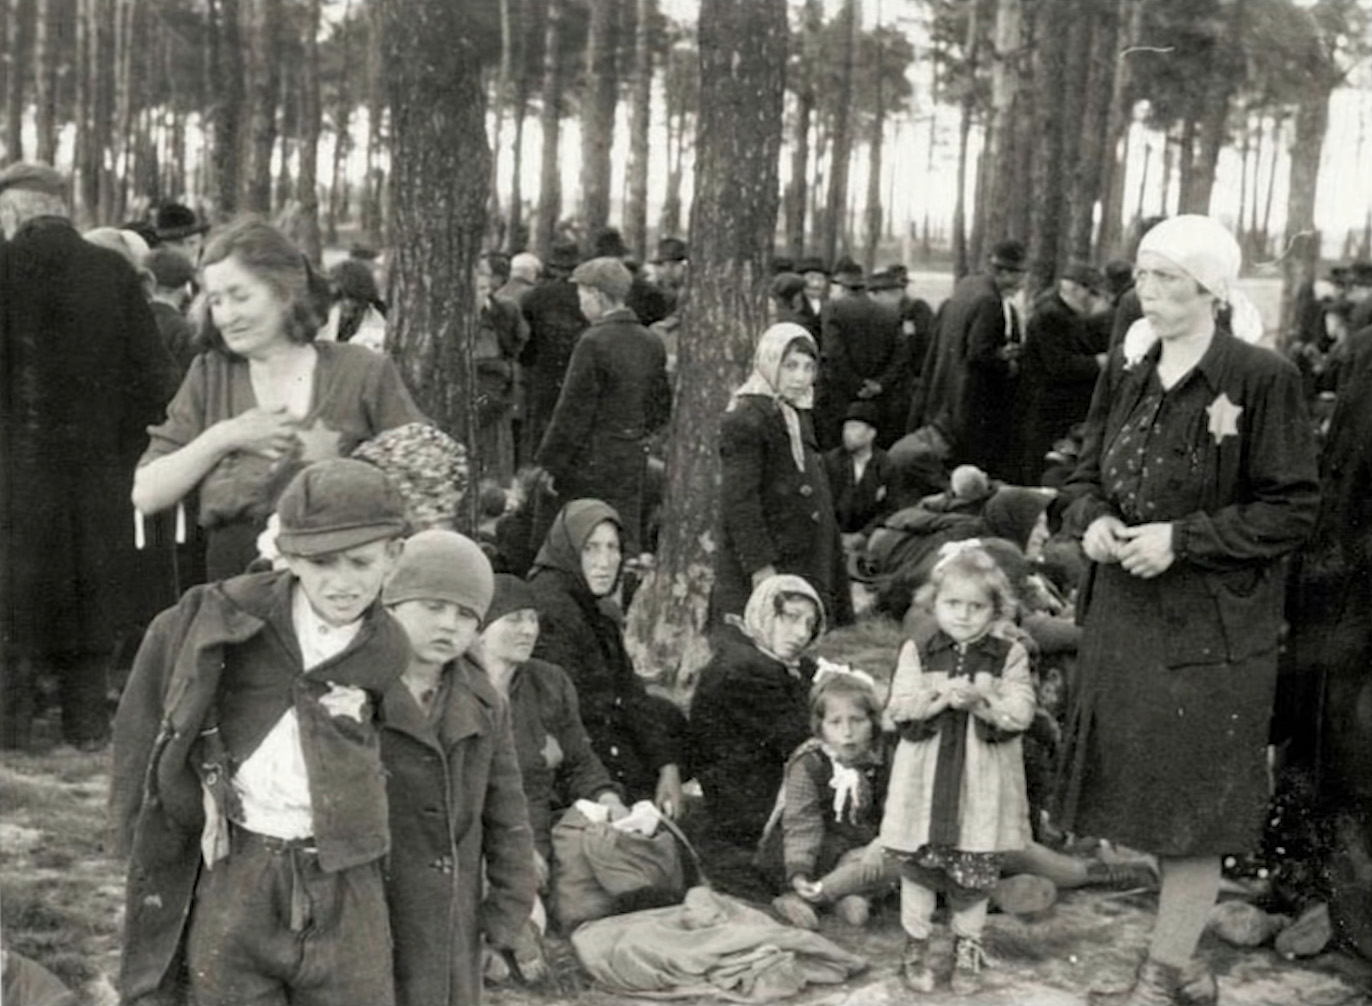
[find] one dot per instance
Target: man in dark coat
(887, 288)
(862, 359)
(1063, 356)
(615, 397)
(972, 370)
(85, 374)
(816, 277)
(555, 323)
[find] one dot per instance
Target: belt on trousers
(293, 849)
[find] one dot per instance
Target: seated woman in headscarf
(751, 707)
(640, 738)
(776, 512)
(556, 759)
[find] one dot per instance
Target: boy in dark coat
(859, 474)
(615, 397)
(247, 784)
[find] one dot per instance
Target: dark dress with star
(1166, 743)
(357, 394)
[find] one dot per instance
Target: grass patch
(871, 645)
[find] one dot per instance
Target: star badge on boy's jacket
(344, 700)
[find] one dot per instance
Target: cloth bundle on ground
(710, 944)
(602, 867)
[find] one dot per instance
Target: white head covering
(1203, 248)
(766, 376)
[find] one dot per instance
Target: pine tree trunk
(19, 29)
(1049, 173)
(310, 123)
(550, 177)
(265, 91)
(1226, 68)
(798, 187)
(640, 121)
(86, 191)
(961, 265)
(733, 222)
(126, 42)
(500, 104)
(873, 216)
(102, 132)
(1302, 256)
(1092, 151)
(1001, 149)
(373, 184)
(226, 89)
(46, 56)
(342, 140)
(841, 150)
(1130, 15)
(598, 115)
(441, 176)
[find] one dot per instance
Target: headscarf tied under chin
(765, 380)
(760, 614)
(1205, 250)
(571, 527)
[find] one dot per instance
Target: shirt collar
(317, 638)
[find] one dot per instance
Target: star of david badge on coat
(1224, 417)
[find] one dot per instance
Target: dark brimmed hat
(1009, 255)
(781, 264)
(886, 279)
(144, 230)
(812, 264)
(335, 505)
(33, 177)
(848, 273)
(607, 274)
(174, 222)
(563, 255)
(169, 268)
(787, 284)
(670, 250)
(863, 412)
(1084, 275)
(609, 243)
(511, 594)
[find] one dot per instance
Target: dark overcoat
(748, 713)
(860, 503)
(615, 396)
(553, 312)
(634, 734)
(461, 863)
(774, 514)
(1166, 742)
(1058, 373)
(84, 374)
(862, 341)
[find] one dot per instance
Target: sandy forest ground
(61, 898)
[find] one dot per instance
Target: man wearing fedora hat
(553, 312)
(180, 229)
(969, 393)
(861, 358)
(1064, 351)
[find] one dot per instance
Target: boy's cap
(863, 412)
(169, 268)
(335, 505)
(439, 565)
(608, 275)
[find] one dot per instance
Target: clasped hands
(1144, 550)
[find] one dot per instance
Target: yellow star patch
(318, 442)
(1224, 417)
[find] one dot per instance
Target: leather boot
(1156, 984)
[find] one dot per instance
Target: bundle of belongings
(712, 945)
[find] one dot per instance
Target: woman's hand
(270, 433)
(1103, 539)
(808, 889)
(761, 574)
(1146, 549)
(667, 796)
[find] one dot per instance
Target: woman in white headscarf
(776, 511)
(1198, 478)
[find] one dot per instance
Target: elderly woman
(751, 708)
(777, 512)
(639, 738)
(1198, 478)
(556, 759)
(264, 401)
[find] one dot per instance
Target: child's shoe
(793, 909)
(968, 961)
(914, 966)
(853, 909)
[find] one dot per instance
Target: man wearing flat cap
(615, 397)
(84, 376)
(972, 369)
(1064, 351)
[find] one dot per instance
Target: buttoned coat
(773, 513)
(156, 801)
(1166, 745)
(456, 808)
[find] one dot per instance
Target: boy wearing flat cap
(247, 785)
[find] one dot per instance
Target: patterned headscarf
(427, 466)
(760, 614)
(766, 377)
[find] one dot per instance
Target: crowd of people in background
(1102, 520)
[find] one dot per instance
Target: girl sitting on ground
(961, 697)
(826, 822)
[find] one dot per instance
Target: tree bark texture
(1302, 254)
(841, 148)
(961, 265)
(18, 30)
(1002, 151)
(265, 88)
(550, 120)
(1092, 134)
(311, 115)
(46, 56)
(798, 187)
(640, 121)
(598, 115)
(1049, 173)
(226, 80)
(733, 220)
(431, 54)
(1111, 243)
(872, 219)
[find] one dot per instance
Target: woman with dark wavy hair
(264, 400)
